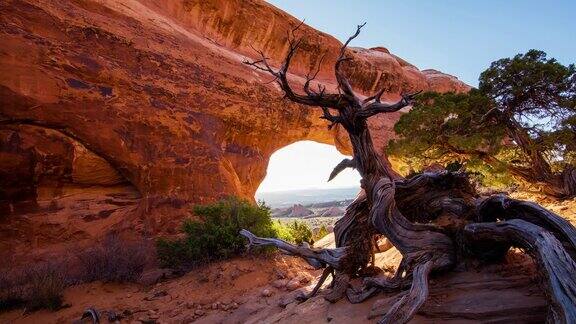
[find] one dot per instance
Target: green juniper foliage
(215, 235)
(439, 130)
(520, 123)
(323, 231)
(300, 232)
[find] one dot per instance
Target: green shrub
(300, 232)
(283, 231)
(295, 231)
(215, 236)
(323, 231)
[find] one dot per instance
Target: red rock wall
(154, 93)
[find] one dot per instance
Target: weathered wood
(558, 268)
(325, 273)
(418, 243)
(318, 258)
(500, 207)
(405, 308)
(476, 296)
(346, 163)
(339, 286)
(427, 217)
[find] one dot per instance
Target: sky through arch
(306, 165)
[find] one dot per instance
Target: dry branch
(435, 220)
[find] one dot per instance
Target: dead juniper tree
(435, 220)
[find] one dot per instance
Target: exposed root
(318, 258)
(403, 310)
(500, 207)
(558, 268)
(427, 217)
(383, 306)
(386, 284)
(339, 286)
(323, 277)
(375, 285)
(427, 247)
(356, 297)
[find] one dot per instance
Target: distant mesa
(332, 212)
(296, 211)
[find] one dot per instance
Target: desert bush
(323, 231)
(300, 232)
(283, 231)
(297, 231)
(113, 260)
(9, 298)
(41, 285)
(215, 235)
(37, 286)
(46, 284)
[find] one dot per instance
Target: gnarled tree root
(318, 258)
(339, 286)
(558, 268)
(426, 217)
(427, 248)
(374, 285)
(325, 273)
(500, 207)
(404, 309)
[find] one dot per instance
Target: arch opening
(296, 185)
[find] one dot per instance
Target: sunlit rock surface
(120, 114)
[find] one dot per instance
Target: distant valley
(315, 207)
(307, 197)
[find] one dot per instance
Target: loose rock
(280, 283)
(293, 284)
(266, 293)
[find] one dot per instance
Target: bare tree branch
(343, 82)
(311, 98)
(377, 107)
(376, 97)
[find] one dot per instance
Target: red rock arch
(160, 92)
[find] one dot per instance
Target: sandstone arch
(161, 91)
(301, 165)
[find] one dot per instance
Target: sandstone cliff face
(135, 109)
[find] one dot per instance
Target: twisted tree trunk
(435, 220)
(560, 185)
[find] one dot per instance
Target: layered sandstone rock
(150, 98)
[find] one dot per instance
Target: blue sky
(457, 37)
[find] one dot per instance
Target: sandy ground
(231, 290)
(253, 290)
(249, 290)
